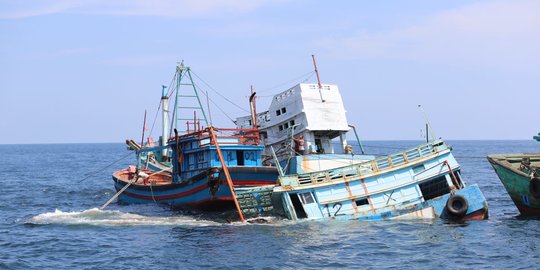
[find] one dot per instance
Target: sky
(85, 71)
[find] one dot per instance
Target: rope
(100, 170)
(125, 187)
(289, 81)
(219, 93)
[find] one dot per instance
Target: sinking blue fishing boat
(207, 164)
(422, 182)
(321, 178)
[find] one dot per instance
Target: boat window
(307, 198)
(360, 202)
(419, 168)
(286, 125)
(240, 158)
(283, 110)
(278, 112)
(434, 188)
(300, 213)
(292, 123)
(280, 127)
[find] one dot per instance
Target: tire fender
(457, 206)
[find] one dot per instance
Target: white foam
(98, 217)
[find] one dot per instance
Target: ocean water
(50, 219)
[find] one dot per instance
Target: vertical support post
(278, 166)
(343, 141)
(164, 120)
(358, 139)
(227, 175)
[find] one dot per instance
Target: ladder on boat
(187, 100)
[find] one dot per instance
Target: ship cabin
(195, 153)
(303, 125)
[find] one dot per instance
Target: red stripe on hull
(253, 183)
(195, 190)
(481, 214)
(166, 197)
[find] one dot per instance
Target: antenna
(428, 126)
(318, 78)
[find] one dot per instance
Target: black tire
(457, 206)
(534, 187)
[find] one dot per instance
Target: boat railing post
(278, 166)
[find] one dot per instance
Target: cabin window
(286, 126)
(278, 112)
(240, 158)
(283, 110)
(280, 127)
(306, 198)
(291, 123)
(418, 169)
(434, 188)
(361, 202)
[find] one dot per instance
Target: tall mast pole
(318, 78)
(165, 120)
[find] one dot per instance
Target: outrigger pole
(318, 78)
(227, 175)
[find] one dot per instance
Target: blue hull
(477, 207)
(197, 191)
(423, 182)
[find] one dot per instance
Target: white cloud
(504, 34)
(173, 8)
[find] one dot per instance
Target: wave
(99, 217)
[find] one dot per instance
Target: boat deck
(153, 178)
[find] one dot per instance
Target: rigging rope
(289, 81)
(100, 170)
(219, 93)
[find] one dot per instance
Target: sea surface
(50, 219)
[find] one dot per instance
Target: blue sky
(85, 71)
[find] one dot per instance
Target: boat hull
(423, 182)
(199, 191)
(516, 182)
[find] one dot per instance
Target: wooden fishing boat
(206, 164)
(320, 179)
(198, 178)
(520, 175)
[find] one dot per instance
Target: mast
(165, 120)
(190, 100)
(318, 78)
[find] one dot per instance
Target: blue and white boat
(321, 181)
(207, 164)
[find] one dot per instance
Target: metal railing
(367, 167)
